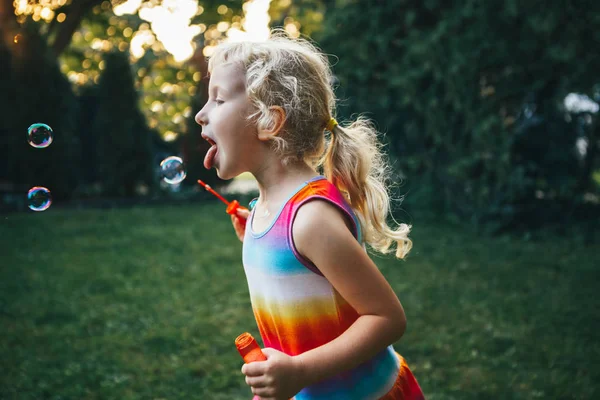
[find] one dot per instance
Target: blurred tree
(458, 87)
(74, 13)
(89, 104)
(60, 30)
(9, 90)
(305, 17)
(80, 33)
(124, 144)
(8, 23)
(34, 90)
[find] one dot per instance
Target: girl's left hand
(277, 378)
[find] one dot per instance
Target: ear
(278, 117)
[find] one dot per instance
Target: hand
(277, 378)
(236, 220)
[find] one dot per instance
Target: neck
(276, 181)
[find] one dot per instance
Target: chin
(224, 174)
(227, 171)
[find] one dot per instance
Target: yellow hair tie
(331, 124)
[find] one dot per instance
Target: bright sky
(170, 23)
(576, 102)
(256, 22)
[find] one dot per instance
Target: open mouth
(209, 140)
(211, 154)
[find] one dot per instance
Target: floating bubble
(39, 198)
(40, 135)
(172, 170)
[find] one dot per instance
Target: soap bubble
(40, 135)
(172, 170)
(39, 198)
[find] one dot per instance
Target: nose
(200, 118)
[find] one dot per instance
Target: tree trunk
(9, 26)
(75, 15)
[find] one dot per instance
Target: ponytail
(295, 75)
(355, 163)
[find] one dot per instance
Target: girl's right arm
(237, 224)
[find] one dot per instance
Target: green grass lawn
(145, 303)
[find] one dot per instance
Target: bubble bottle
(249, 350)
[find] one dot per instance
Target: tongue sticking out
(209, 159)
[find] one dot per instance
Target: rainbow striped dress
(297, 309)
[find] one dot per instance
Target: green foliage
(34, 90)
(307, 15)
(211, 16)
(103, 145)
(145, 303)
(124, 153)
(163, 84)
(470, 97)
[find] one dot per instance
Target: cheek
(222, 116)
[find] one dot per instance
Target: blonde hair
(295, 75)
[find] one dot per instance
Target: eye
(219, 102)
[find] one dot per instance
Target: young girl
(326, 314)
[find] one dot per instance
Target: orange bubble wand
(232, 206)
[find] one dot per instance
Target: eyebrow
(220, 88)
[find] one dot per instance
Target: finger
(268, 351)
(264, 393)
(255, 382)
(242, 213)
(237, 224)
(253, 369)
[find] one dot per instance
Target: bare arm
(321, 234)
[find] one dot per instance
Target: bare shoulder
(322, 234)
(320, 220)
